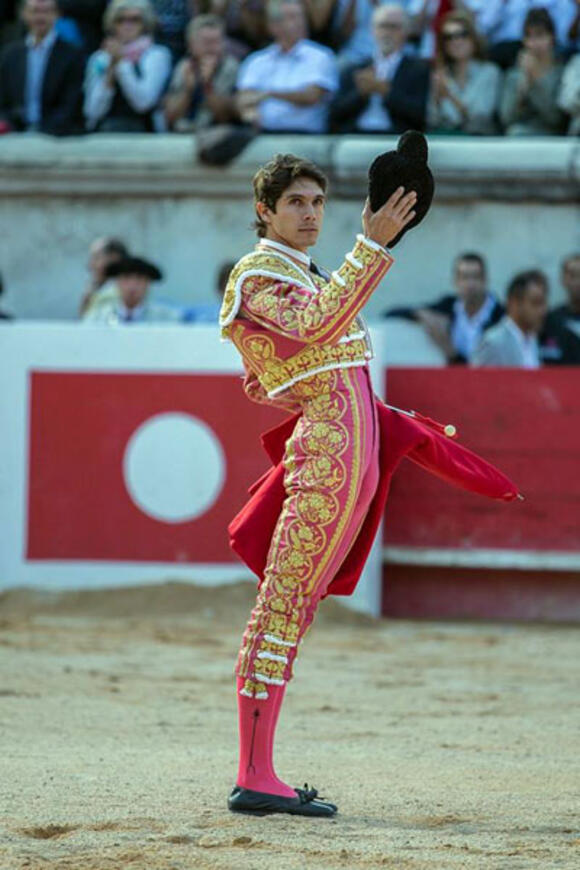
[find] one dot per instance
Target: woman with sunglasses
(126, 78)
(465, 88)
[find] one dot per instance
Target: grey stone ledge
(140, 166)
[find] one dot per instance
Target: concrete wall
(516, 202)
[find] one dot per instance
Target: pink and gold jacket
(289, 323)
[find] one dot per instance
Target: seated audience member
(3, 314)
(287, 86)
(569, 96)
(103, 252)
(203, 84)
(126, 78)
(343, 25)
(387, 93)
(41, 76)
(560, 340)
(209, 312)
(501, 23)
(134, 276)
(464, 87)
(455, 323)
(514, 340)
(530, 91)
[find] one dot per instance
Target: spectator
(3, 314)
(456, 322)
(203, 84)
(464, 88)
(502, 23)
(343, 25)
(287, 86)
(102, 253)
(134, 276)
(82, 21)
(41, 76)
(125, 80)
(387, 94)
(569, 96)
(209, 313)
(529, 98)
(514, 340)
(560, 342)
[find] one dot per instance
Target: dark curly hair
(539, 19)
(271, 180)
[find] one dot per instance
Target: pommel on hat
(405, 167)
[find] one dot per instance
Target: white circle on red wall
(174, 467)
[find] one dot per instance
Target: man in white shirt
(287, 86)
(514, 341)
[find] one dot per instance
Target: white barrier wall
(125, 453)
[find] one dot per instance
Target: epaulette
(264, 262)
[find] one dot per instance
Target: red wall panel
(80, 424)
(527, 423)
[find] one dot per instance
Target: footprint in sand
(47, 832)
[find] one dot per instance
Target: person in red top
(310, 522)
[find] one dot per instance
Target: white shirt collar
(296, 47)
(522, 337)
(137, 313)
(388, 60)
(528, 343)
(44, 43)
(285, 249)
(481, 315)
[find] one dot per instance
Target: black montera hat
(134, 266)
(406, 167)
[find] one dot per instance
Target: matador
(311, 520)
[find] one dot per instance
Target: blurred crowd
(456, 67)
(472, 326)
(469, 323)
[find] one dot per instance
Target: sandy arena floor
(445, 745)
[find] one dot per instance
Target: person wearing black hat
(309, 525)
(133, 278)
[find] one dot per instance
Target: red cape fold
(401, 435)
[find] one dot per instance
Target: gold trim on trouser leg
(324, 472)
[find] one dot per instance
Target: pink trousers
(331, 474)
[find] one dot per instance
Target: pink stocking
(257, 725)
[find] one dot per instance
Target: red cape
(419, 439)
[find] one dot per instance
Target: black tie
(316, 270)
